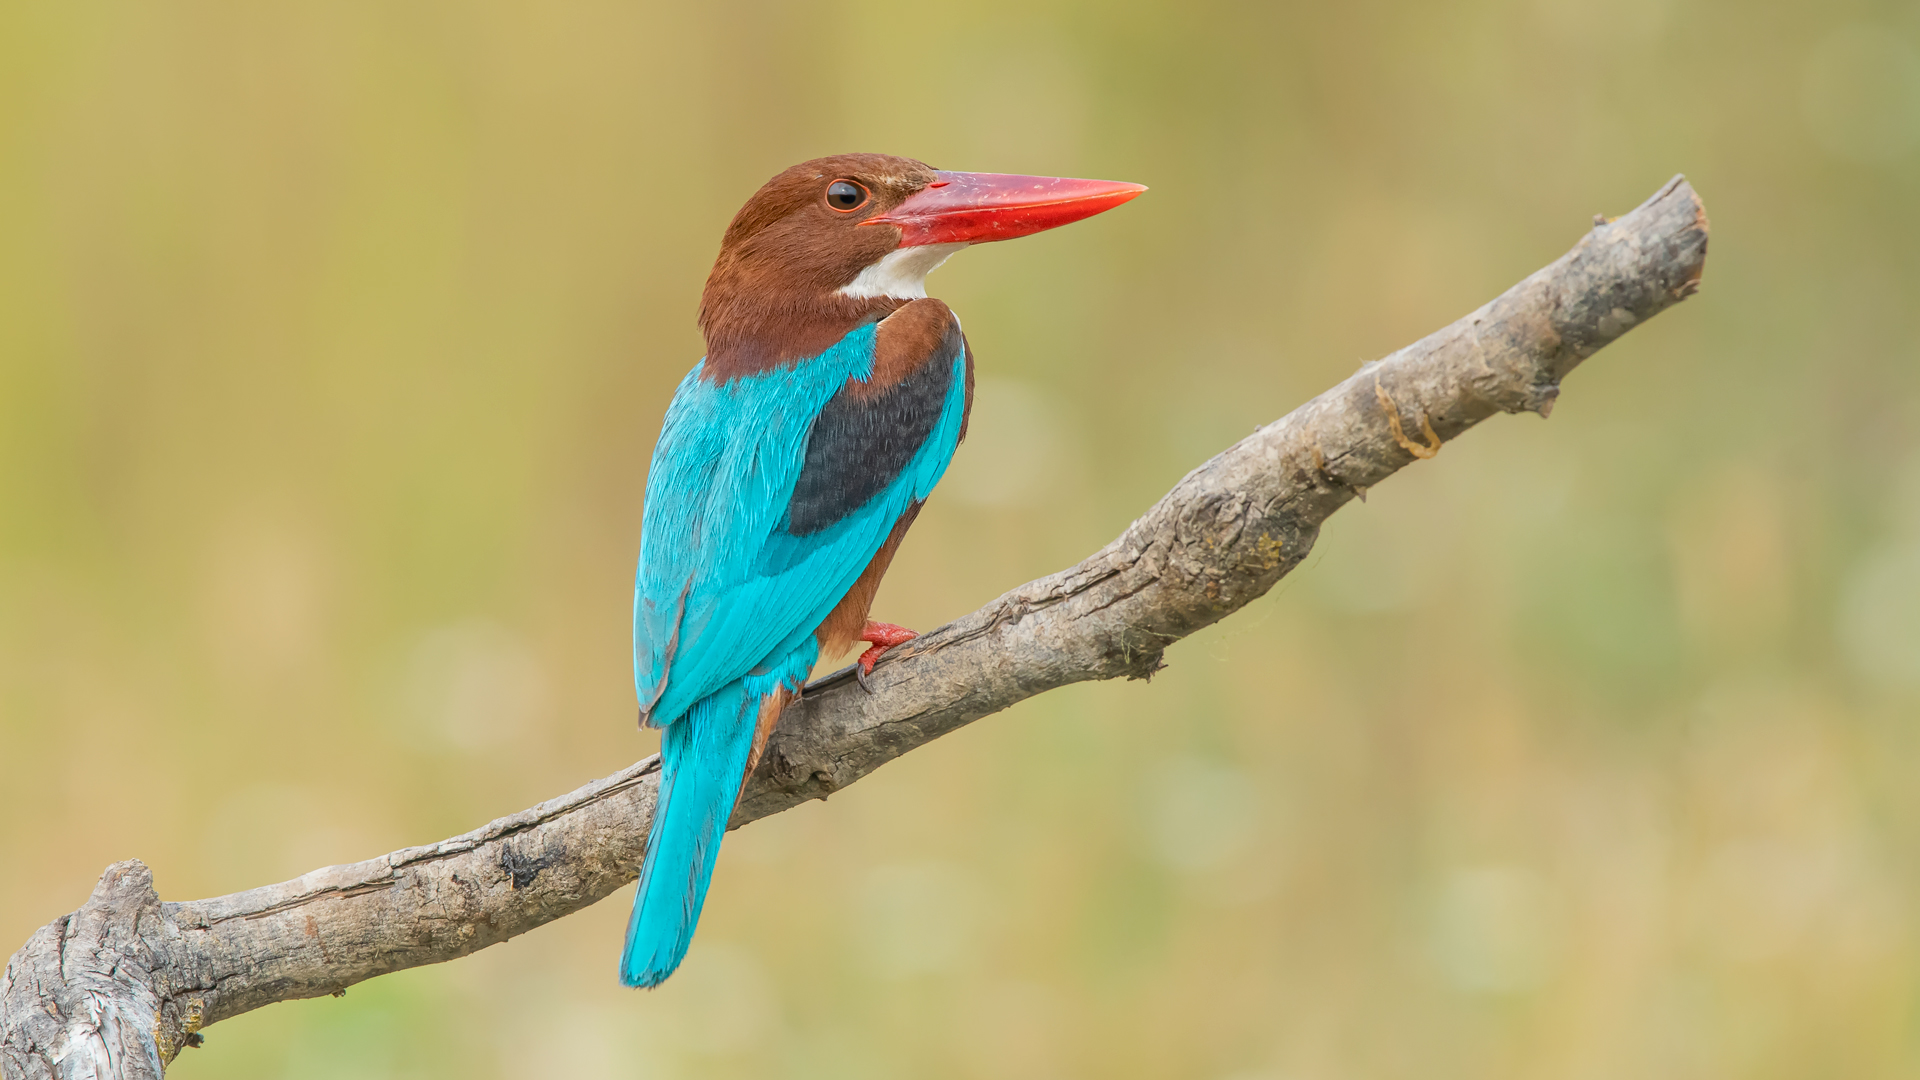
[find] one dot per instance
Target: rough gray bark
(117, 988)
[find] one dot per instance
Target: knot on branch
(1429, 449)
(1141, 663)
(90, 988)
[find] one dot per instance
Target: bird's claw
(879, 637)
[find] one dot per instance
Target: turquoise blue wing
(769, 495)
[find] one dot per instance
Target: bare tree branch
(120, 986)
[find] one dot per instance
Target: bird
(792, 460)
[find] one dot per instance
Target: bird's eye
(846, 196)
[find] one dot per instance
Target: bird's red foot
(881, 637)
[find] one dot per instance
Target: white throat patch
(901, 274)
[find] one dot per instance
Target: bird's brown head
(838, 241)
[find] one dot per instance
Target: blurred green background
(334, 338)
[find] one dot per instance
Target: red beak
(975, 208)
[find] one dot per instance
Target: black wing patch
(863, 439)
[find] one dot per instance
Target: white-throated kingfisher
(792, 461)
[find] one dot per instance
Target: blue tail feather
(703, 754)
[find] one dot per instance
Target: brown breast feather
(902, 343)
